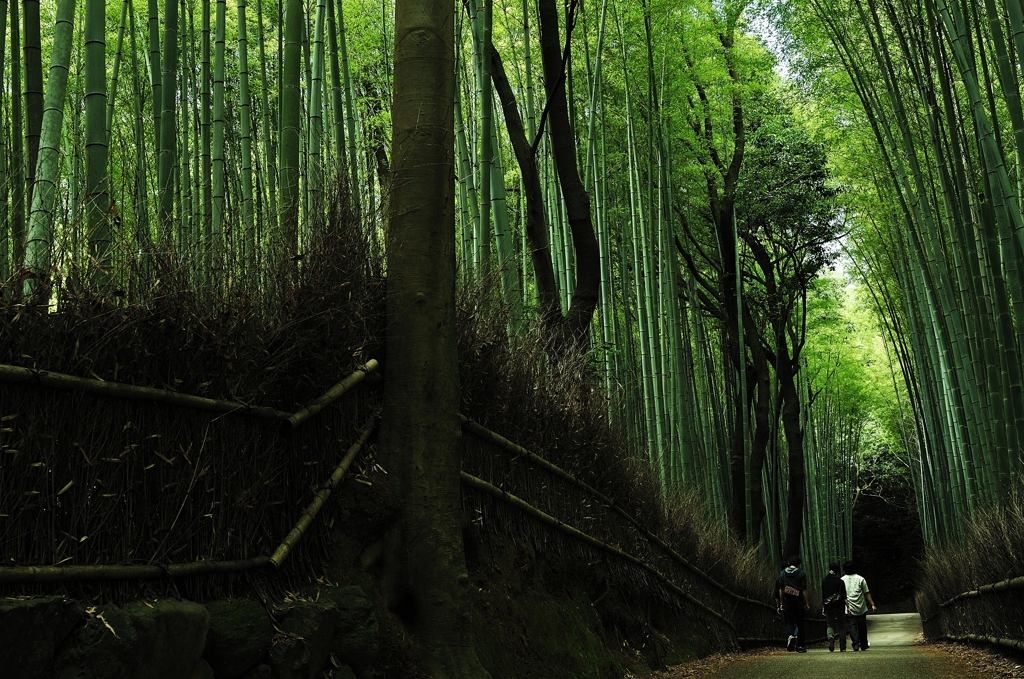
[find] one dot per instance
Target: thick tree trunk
(794, 447)
(786, 365)
(577, 202)
(420, 432)
(738, 515)
(536, 224)
(724, 215)
(759, 443)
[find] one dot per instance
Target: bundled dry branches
(992, 551)
(89, 479)
(557, 410)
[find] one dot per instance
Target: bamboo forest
(633, 304)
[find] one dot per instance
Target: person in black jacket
(833, 599)
(791, 592)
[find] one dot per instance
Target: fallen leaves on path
(975, 661)
(985, 661)
(706, 666)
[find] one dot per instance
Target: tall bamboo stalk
(39, 244)
(5, 249)
(316, 112)
(116, 69)
(248, 239)
(269, 155)
(167, 146)
(217, 152)
(98, 202)
(350, 118)
(18, 190)
(34, 105)
(291, 110)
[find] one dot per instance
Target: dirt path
(892, 655)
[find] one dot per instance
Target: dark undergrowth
(992, 550)
(558, 410)
(87, 479)
(97, 480)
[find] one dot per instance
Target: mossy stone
(171, 636)
(356, 639)
(240, 635)
(105, 647)
(259, 672)
(202, 670)
(559, 634)
(31, 630)
(302, 652)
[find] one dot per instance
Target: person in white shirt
(858, 598)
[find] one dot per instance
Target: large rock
(259, 672)
(103, 648)
(301, 652)
(240, 635)
(31, 630)
(171, 636)
(202, 670)
(356, 639)
(157, 641)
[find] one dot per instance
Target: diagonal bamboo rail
(1002, 586)
(332, 394)
(537, 514)
(18, 375)
(24, 574)
(290, 540)
(1015, 644)
(21, 574)
(485, 434)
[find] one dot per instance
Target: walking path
(892, 656)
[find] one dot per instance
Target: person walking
(833, 600)
(858, 598)
(791, 592)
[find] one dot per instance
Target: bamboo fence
(148, 512)
(641, 558)
(561, 513)
(978, 616)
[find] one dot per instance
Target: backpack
(789, 590)
(833, 600)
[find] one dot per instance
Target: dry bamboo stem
(23, 574)
(332, 394)
(535, 513)
(286, 546)
(16, 374)
(997, 641)
(1005, 585)
(750, 641)
(487, 435)
(775, 641)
